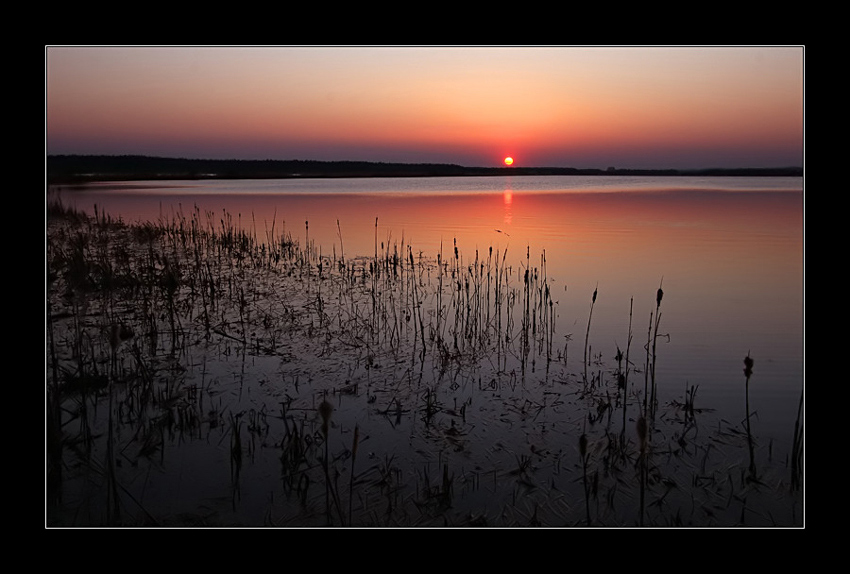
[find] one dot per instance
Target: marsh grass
(433, 385)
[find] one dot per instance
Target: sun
(509, 160)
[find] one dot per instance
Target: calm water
(728, 253)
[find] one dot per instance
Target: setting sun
(509, 160)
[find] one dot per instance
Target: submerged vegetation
(198, 374)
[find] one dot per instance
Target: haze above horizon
(584, 107)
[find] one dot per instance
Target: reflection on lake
(727, 252)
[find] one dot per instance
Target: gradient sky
(586, 107)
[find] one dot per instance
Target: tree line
(82, 168)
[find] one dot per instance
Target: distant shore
(69, 169)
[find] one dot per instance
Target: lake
(727, 252)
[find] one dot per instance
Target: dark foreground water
(468, 332)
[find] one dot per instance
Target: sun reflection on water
(508, 196)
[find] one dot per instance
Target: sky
(544, 106)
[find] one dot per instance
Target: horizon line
(412, 163)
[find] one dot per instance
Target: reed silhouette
(587, 334)
(748, 372)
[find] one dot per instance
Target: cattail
(587, 335)
(748, 370)
(659, 294)
(748, 366)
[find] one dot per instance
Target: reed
(658, 296)
(341, 247)
(587, 334)
(748, 372)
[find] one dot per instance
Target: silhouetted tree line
(82, 168)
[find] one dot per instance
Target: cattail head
(748, 366)
(658, 297)
(582, 445)
(594, 296)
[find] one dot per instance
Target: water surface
(727, 252)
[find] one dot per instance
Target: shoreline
(69, 169)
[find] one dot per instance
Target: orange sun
(509, 160)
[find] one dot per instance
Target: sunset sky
(586, 107)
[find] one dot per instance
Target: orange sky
(544, 106)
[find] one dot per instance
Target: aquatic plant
(658, 296)
(587, 335)
(625, 374)
(748, 372)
